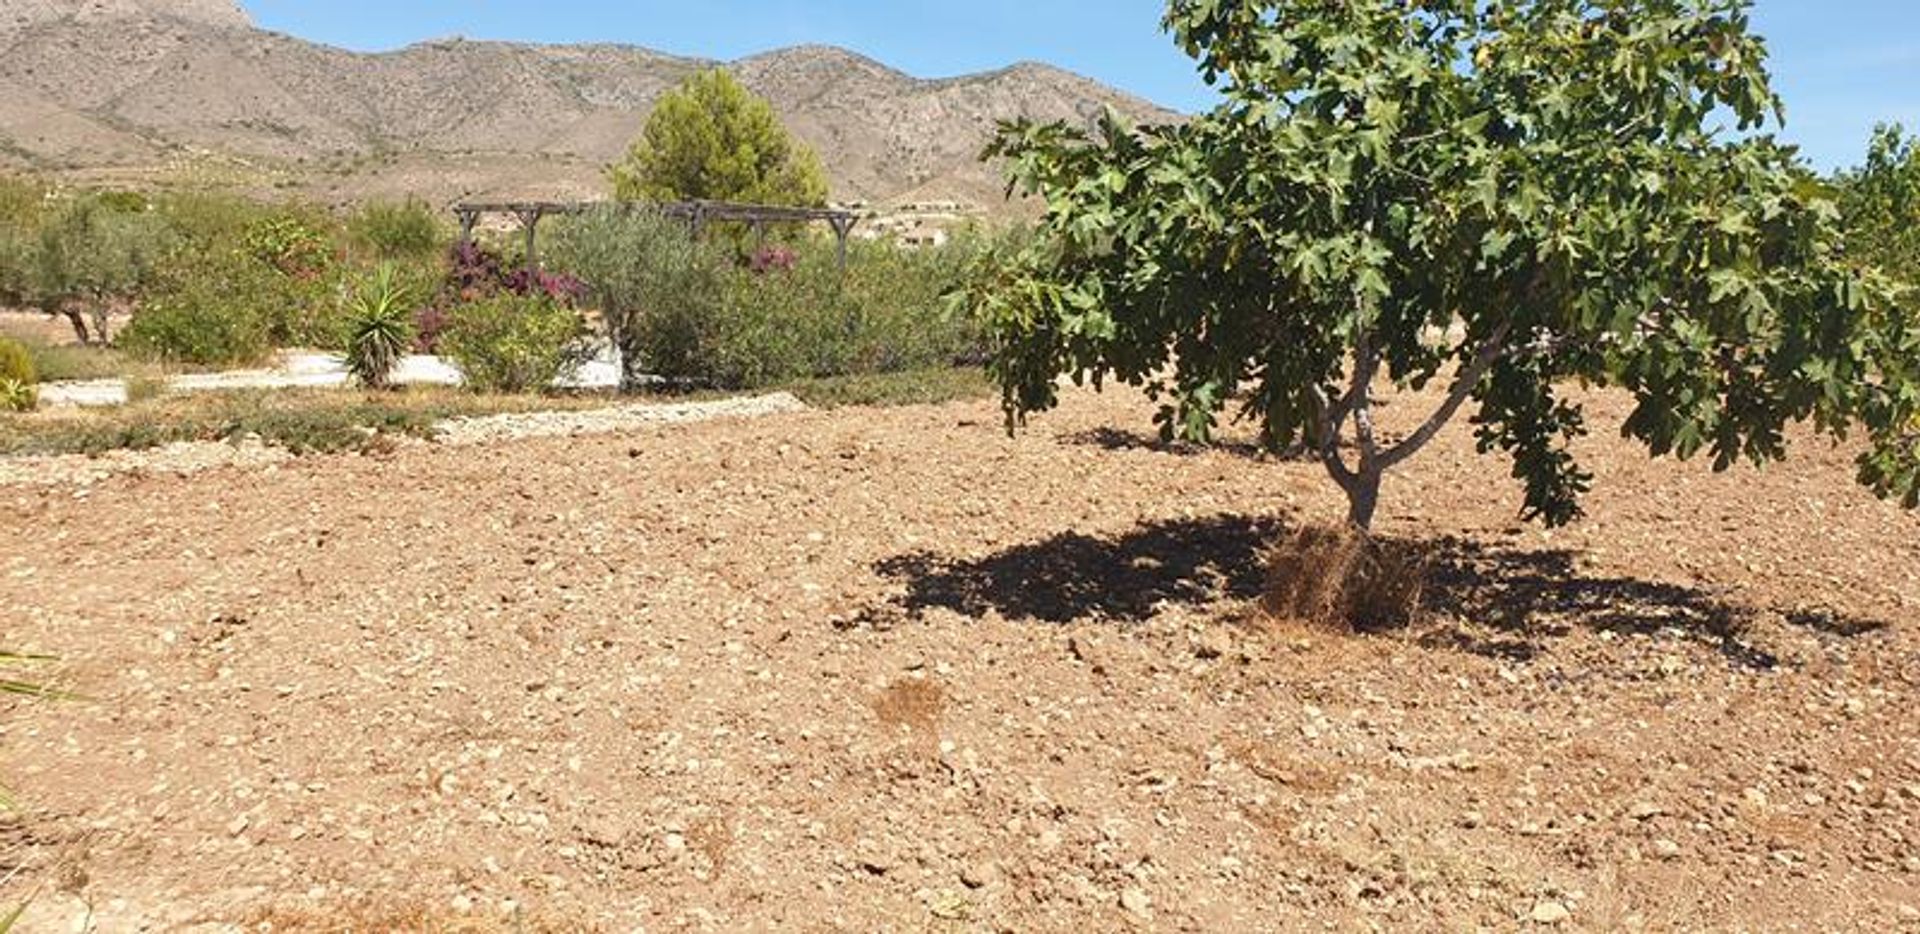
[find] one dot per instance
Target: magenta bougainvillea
(476, 273)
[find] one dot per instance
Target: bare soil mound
(883, 670)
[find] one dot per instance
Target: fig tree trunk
(1363, 498)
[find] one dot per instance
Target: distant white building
(918, 224)
(924, 235)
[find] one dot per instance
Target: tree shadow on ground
(1522, 597)
(1510, 602)
(1073, 577)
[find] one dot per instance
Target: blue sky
(1842, 65)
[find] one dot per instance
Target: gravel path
(181, 458)
(191, 457)
(308, 370)
(487, 429)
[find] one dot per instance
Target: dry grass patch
(713, 838)
(1341, 577)
(370, 917)
(328, 420)
(913, 703)
(300, 420)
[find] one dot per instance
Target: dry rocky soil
(894, 670)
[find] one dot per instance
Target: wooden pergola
(697, 214)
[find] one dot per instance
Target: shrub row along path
(893, 670)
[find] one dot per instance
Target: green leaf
(1370, 281)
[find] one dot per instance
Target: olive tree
(1504, 198)
(82, 258)
(650, 279)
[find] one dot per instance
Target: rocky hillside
(21, 14)
(172, 89)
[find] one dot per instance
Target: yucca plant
(379, 327)
(16, 396)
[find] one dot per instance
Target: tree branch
(1546, 344)
(1331, 417)
(1359, 400)
(1463, 387)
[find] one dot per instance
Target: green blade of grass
(9, 686)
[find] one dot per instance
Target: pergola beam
(697, 214)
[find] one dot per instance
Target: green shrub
(17, 245)
(513, 343)
(408, 230)
(180, 329)
(297, 244)
(884, 313)
(213, 221)
(16, 362)
(684, 311)
(123, 202)
(22, 207)
(262, 308)
(208, 314)
(303, 312)
(379, 321)
(21, 201)
(279, 262)
(777, 325)
(301, 296)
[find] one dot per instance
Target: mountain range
(170, 92)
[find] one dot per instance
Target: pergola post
(530, 225)
(842, 227)
(468, 217)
